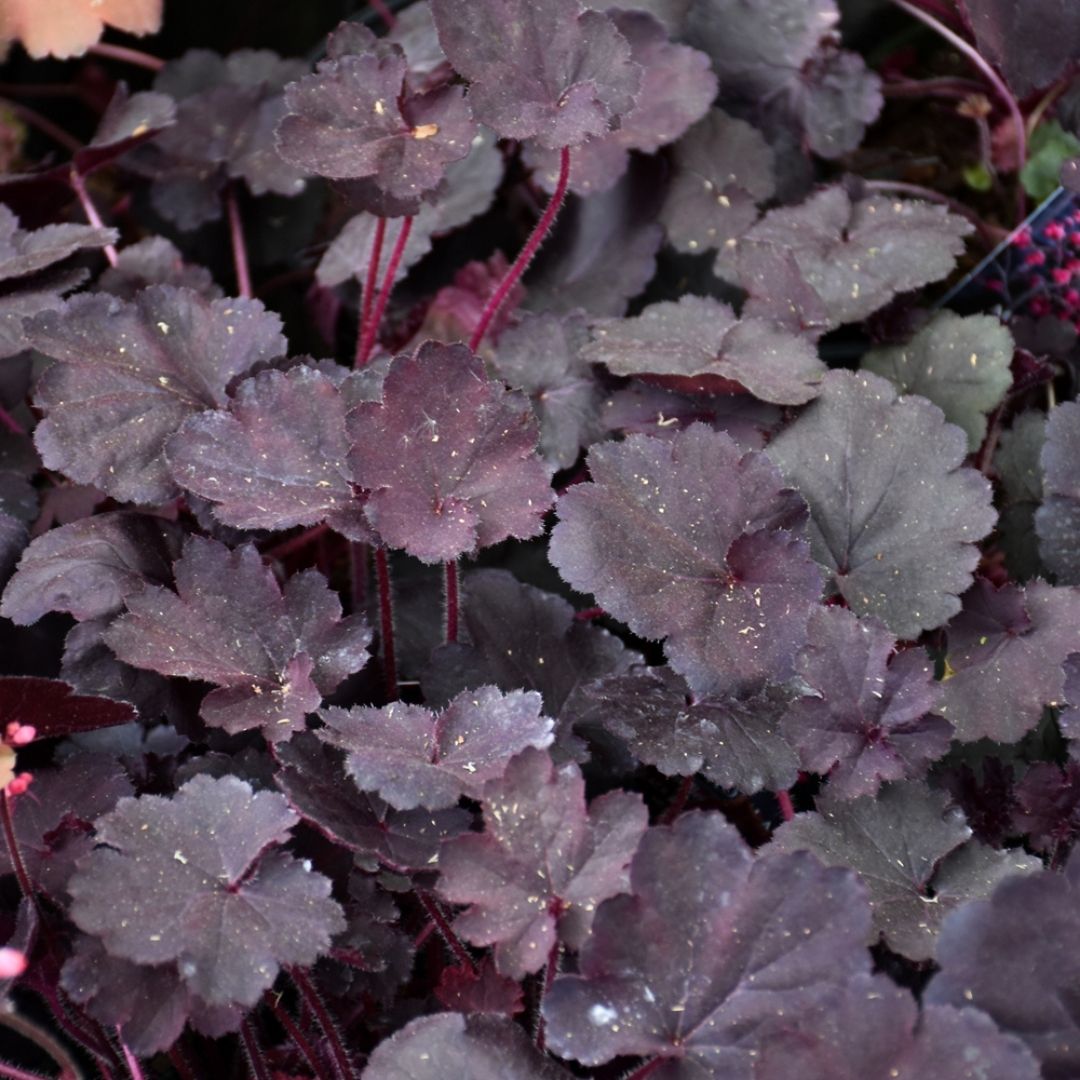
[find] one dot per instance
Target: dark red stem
(180, 1063)
(452, 605)
(130, 1060)
(236, 237)
(371, 330)
(292, 1029)
(550, 971)
(129, 56)
(19, 1074)
(787, 808)
(679, 802)
(527, 253)
(328, 1029)
(646, 1070)
(295, 543)
(445, 929)
(384, 13)
(10, 422)
(386, 622)
(359, 568)
(254, 1052)
(371, 280)
(78, 185)
(15, 855)
(30, 1031)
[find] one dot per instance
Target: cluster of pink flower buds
(1040, 274)
(16, 735)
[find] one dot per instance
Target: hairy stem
(452, 603)
(371, 331)
(787, 808)
(367, 301)
(180, 1063)
(249, 1039)
(14, 854)
(359, 564)
(30, 1031)
(78, 185)
(128, 56)
(679, 802)
(527, 253)
(236, 237)
(9, 421)
(1004, 94)
(292, 1029)
(296, 543)
(328, 1028)
(383, 11)
(445, 929)
(130, 1060)
(645, 1070)
(386, 622)
(15, 1073)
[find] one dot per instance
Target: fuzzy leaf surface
(542, 69)
(700, 336)
(518, 637)
(1057, 521)
(88, 568)
(1007, 649)
(273, 653)
(695, 541)
(190, 879)
(918, 861)
(277, 457)
(543, 864)
(449, 456)
(869, 720)
(129, 373)
(893, 514)
(695, 969)
(991, 960)
(414, 757)
(856, 255)
(960, 364)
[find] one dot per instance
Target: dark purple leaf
(13, 540)
(644, 409)
(1014, 956)
(960, 364)
(1031, 43)
(856, 255)
(1048, 805)
(88, 568)
(723, 169)
(353, 119)
(568, 75)
(543, 356)
(835, 97)
(872, 1028)
(449, 457)
(518, 637)
(480, 989)
(695, 541)
(1057, 521)
(414, 757)
(735, 741)
(1006, 653)
(1017, 466)
(53, 820)
(414, 31)
(312, 777)
(129, 374)
(700, 336)
(778, 292)
(275, 458)
(697, 964)
(272, 652)
(677, 88)
(154, 261)
(129, 120)
(53, 709)
(1068, 718)
(866, 720)
(917, 860)
(893, 516)
(467, 192)
(449, 1044)
(602, 251)
(759, 46)
(150, 1005)
(191, 879)
(986, 796)
(24, 252)
(544, 862)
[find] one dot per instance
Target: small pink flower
(12, 963)
(1035, 258)
(1039, 306)
(20, 783)
(1061, 276)
(1074, 238)
(1054, 231)
(69, 27)
(1072, 297)
(1022, 239)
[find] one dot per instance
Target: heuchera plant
(510, 570)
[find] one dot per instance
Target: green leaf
(1050, 147)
